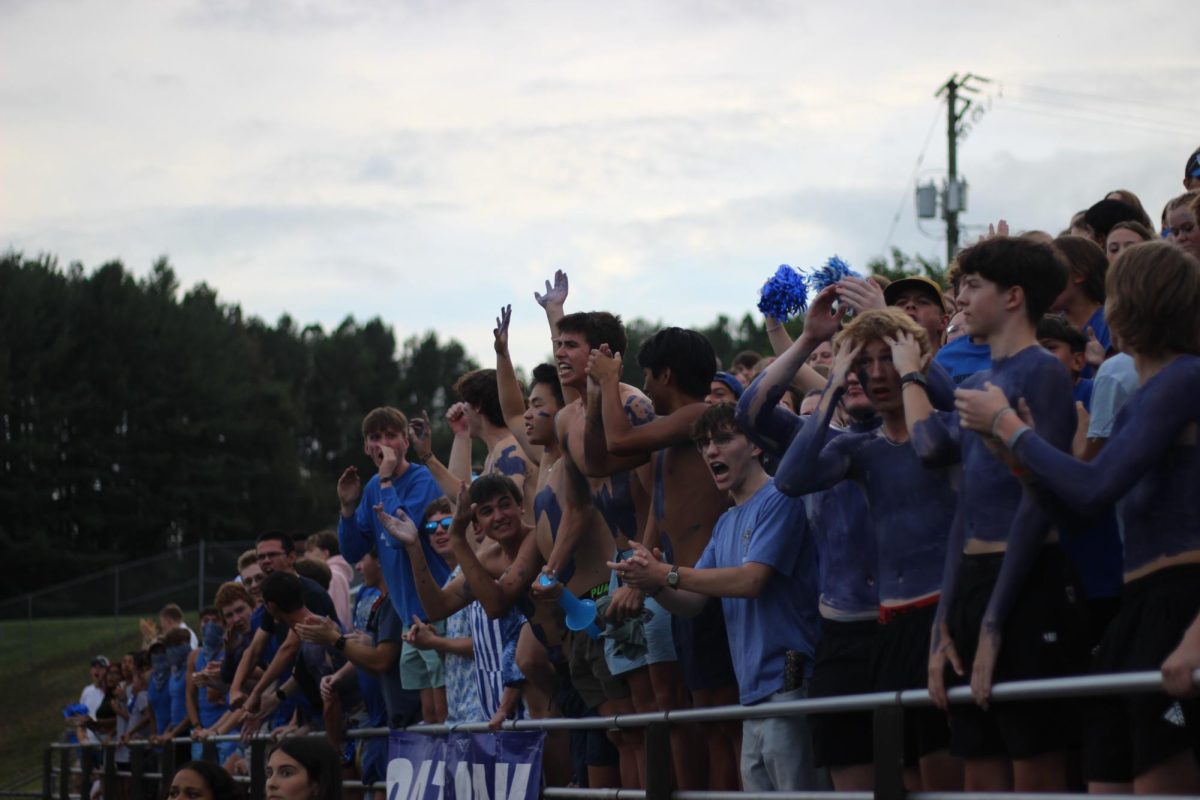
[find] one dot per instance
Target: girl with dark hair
(304, 769)
(200, 780)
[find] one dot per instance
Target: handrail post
(64, 772)
(258, 768)
(110, 770)
(658, 761)
(888, 728)
(48, 774)
(166, 767)
(137, 770)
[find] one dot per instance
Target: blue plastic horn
(581, 614)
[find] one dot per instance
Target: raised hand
(843, 361)
(318, 630)
(997, 231)
(456, 418)
(906, 353)
(555, 295)
(419, 436)
(501, 330)
(387, 467)
(464, 512)
(604, 366)
(349, 489)
(861, 294)
(399, 527)
(822, 321)
(642, 570)
(1094, 352)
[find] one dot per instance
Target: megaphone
(580, 614)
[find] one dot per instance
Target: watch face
(672, 578)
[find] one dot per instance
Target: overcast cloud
(428, 161)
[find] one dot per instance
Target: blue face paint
(508, 462)
(177, 656)
(541, 414)
(213, 637)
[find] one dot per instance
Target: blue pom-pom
(784, 294)
(834, 270)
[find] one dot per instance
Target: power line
(1092, 117)
(909, 186)
(1104, 98)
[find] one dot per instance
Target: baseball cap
(892, 293)
(732, 382)
(1192, 170)
(99, 660)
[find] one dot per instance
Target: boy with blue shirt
(762, 563)
(397, 485)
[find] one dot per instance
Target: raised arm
(624, 438)
(810, 465)
(496, 596)
(437, 601)
(598, 461)
(420, 436)
(1134, 449)
(552, 303)
(512, 403)
(934, 434)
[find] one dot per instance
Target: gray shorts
(777, 752)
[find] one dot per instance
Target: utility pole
(954, 196)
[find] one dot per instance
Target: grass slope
(43, 667)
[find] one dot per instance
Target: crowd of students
(926, 488)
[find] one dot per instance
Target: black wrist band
(280, 695)
(914, 377)
(340, 644)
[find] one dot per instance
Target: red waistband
(891, 613)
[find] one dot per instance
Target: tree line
(136, 416)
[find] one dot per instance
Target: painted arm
(598, 461)
(810, 464)
(285, 656)
(934, 434)
(248, 663)
(512, 403)
(623, 438)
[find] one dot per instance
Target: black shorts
(703, 648)
(900, 660)
(589, 748)
(842, 666)
(1045, 636)
(1127, 735)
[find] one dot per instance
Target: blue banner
(465, 766)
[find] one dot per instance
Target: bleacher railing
(888, 709)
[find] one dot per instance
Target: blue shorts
(656, 629)
(373, 759)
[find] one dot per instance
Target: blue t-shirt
(1081, 392)
(368, 684)
(1100, 328)
(413, 491)
(962, 358)
(769, 529)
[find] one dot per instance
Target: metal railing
(888, 708)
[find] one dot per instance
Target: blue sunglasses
(433, 525)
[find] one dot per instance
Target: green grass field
(43, 667)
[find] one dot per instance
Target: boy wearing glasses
(762, 563)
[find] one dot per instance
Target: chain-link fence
(188, 577)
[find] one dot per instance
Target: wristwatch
(280, 695)
(340, 644)
(914, 377)
(673, 577)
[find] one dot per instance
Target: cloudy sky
(428, 160)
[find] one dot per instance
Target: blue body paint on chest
(546, 503)
(614, 501)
